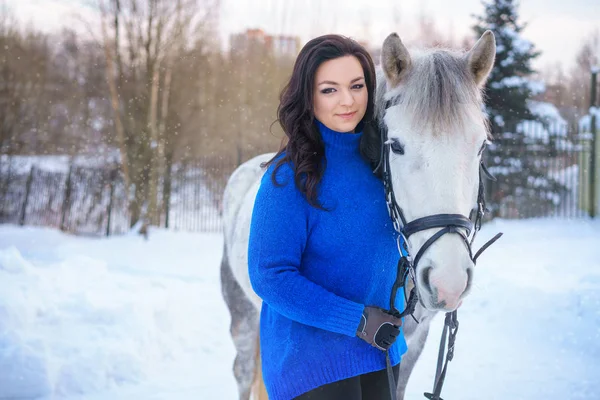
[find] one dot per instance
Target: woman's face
(340, 93)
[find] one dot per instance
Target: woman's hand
(378, 327)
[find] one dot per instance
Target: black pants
(371, 386)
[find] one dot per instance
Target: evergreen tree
(514, 157)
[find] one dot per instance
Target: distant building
(286, 45)
(257, 39)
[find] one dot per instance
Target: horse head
(429, 106)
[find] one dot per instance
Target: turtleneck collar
(339, 141)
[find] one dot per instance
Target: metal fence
(196, 194)
(553, 181)
(82, 200)
(546, 173)
(92, 201)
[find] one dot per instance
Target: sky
(556, 27)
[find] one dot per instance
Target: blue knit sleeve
(278, 235)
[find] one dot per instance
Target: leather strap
(390, 375)
(449, 332)
(437, 221)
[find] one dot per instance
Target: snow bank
(125, 318)
(83, 316)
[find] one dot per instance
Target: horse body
(243, 303)
(238, 202)
(440, 125)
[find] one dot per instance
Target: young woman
(322, 251)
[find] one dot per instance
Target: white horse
(438, 120)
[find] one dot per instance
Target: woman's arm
(278, 235)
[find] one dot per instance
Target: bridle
(458, 224)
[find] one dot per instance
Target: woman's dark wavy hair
(305, 149)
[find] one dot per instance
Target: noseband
(458, 224)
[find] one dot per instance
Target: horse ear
(370, 145)
(395, 59)
(481, 57)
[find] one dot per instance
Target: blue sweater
(316, 271)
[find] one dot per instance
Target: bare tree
(151, 83)
(143, 40)
(587, 57)
(51, 92)
(571, 91)
(80, 109)
(24, 87)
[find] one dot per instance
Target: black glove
(378, 327)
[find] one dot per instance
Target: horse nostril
(425, 279)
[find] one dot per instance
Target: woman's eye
(358, 86)
(328, 90)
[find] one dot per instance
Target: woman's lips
(348, 115)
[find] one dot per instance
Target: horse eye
(397, 147)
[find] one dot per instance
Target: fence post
(112, 177)
(167, 187)
(5, 185)
(594, 143)
(26, 200)
(67, 201)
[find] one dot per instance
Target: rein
(407, 266)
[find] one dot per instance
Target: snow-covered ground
(129, 318)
